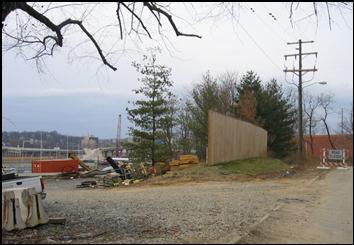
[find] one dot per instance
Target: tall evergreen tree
(206, 96)
(277, 116)
(151, 116)
(274, 112)
(251, 82)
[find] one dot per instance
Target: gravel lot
(207, 212)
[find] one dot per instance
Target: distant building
(89, 142)
(321, 141)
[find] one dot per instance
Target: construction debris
(111, 180)
(94, 172)
(127, 182)
(69, 175)
(86, 184)
(82, 164)
(115, 175)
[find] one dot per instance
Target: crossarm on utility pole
(299, 72)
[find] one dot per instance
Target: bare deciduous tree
(311, 103)
(325, 101)
(321, 7)
(228, 92)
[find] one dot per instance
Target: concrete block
(22, 208)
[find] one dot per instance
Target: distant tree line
(33, 139)
(49, 140)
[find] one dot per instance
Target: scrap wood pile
(93, 172)
(119, 174)
(109, 180)
(183, 162)
(125, 174)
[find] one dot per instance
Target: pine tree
(277, 116)
(274, 112)
(152, 115)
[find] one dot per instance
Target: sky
(80, 96)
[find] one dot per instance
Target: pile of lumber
(184, 161)
(188, 159)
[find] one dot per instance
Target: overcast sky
(83, 97)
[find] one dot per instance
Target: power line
(282, 27)
(7, 119)
(264, 22)
(260, 48)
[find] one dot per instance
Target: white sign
(335, 154)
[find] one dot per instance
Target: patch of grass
(253, 166)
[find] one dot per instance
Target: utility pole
(300, 72)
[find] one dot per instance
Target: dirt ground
(178, 211)
(320, 214)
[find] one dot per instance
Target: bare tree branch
(119, 21)
(137, 17)
(57, 29)
(153, 8)
(329, 17)
(29, 35)
(325, 101)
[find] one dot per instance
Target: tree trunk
(329, 135)
(153, 132)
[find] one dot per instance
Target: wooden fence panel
(233, 139)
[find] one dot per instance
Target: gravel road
(322, 213)
(206, 212)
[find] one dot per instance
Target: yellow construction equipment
(82, 164)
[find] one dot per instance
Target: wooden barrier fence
(233, 139)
